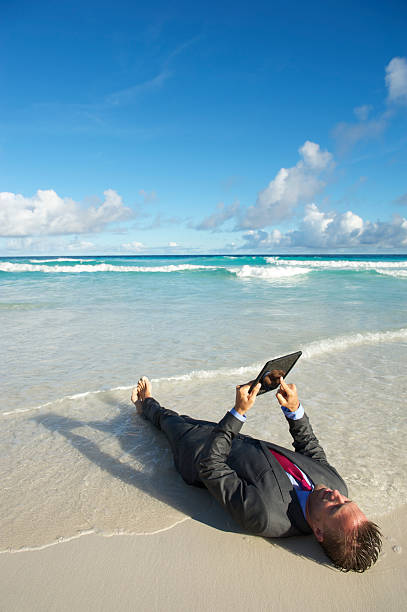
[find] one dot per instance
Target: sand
(198, 565)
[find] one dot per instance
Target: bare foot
(141, 392)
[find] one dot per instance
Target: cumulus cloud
(172, 245)
(389, 235)
(290, 187)
(313, 156)
(331, 230)
(396, 80)
(260, 239)
(327, 230)
(81, 245)
(46, 213)
(219, 217)
(133, 246)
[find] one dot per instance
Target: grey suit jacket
(251, 485)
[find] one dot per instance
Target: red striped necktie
(291, 468)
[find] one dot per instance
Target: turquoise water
(77, 333)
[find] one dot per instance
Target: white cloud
(130, 94)
(314, 157)
(46, 213)
(148, 197)
(327, 230)
(321, 230)
(172, 244)
(391, 235)
(349, 134)
(260, 239)
(277, 201)
(81, 245)
(219, 217)
(396, 80)
(362, 112)
(47, 245)
(289, 187)
(133, 246)
(26, 244)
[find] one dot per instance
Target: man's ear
(319, 534)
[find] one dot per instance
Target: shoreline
(195, 566)
(215, 516)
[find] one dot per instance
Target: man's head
(350, 540)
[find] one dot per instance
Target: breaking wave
(275, 267)
(103, 267)
(339, 264)
(269, 273)
(57, 259)
(394, 273)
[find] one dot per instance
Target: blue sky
(222, 127)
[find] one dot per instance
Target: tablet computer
(269, 376)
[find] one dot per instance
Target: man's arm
(305, 441)
(239, 497)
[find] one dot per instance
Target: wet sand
(199, 566)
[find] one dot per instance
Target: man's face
(329, 509)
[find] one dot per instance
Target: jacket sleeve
(305, 441)
(239, 497)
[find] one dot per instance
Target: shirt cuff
(241, 417)
(294, 416)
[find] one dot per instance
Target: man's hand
(287, 396)
(244, 399)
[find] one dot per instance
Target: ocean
(78, 332)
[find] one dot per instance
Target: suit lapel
(315, 470)
(294, 510)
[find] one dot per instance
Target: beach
(94, 515)
(193, 566)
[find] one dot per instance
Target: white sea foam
(342, 343)
(309, 351)
(277, 268)
(395, 273)
(338, 264)
(17, 267)
(268, 273)
(56, 259)
(193, 375)
(86, 532)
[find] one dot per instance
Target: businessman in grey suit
(269, 490)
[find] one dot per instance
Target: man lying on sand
(269, 490)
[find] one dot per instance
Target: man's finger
(255, 390)
(284, 386)
(281, 399)
(243, 386)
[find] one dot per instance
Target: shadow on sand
(195, 504)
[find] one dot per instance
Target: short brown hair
(355, 551)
